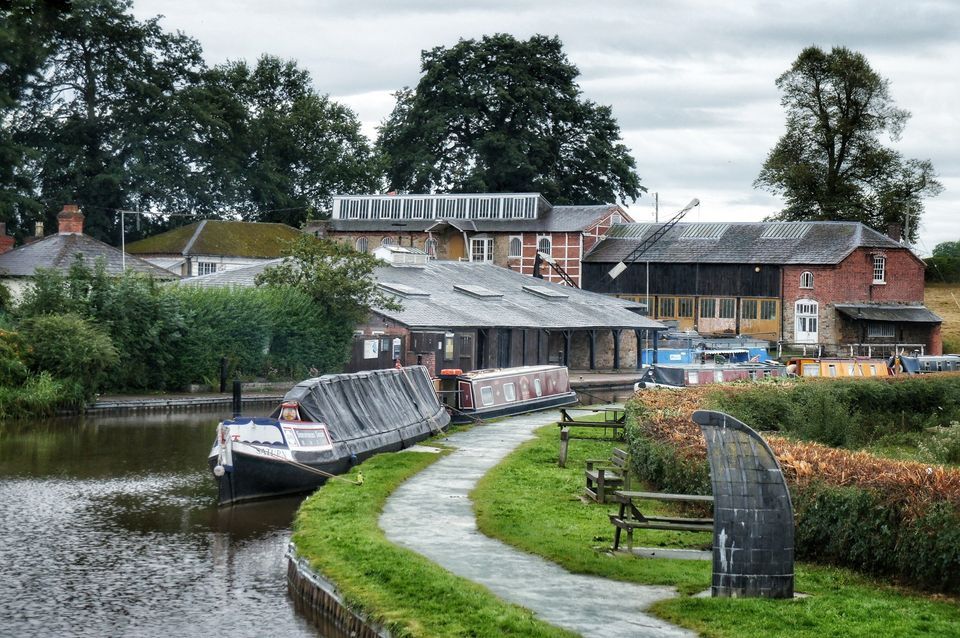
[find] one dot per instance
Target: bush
(13, 371)
(69, 348)
(40, 395)
(943, 444)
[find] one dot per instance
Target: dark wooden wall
(729, 280)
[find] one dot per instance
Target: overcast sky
(690, 82)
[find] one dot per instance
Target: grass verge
(337, 530)
(528, 502)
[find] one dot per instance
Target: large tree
(102, 119)
(830, 163)
(269, 147)
(504, 115)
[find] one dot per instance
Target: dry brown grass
(668, 418)
(944, 299)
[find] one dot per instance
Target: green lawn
(529, 502)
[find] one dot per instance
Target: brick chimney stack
(895, 232)
(6, 242)
(70, 220)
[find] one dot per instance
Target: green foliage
(942, 445)
(830, 163)
(272, 148)
(40, 395)
(13, 371)
(5, 298)
(504, 115)
(71, 348)
(338, 278)
(846, 413)
(944, 265)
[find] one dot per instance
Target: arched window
(387, 241)
(430, 247)
(543, 245)
(362, 244)
(516, 247)
(806, 280)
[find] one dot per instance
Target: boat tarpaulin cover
(379, 407)
(667, 376)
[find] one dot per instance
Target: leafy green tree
(338, 278)
(504, 115)
(944, 264)
(830, 163)
(102, 118)
(69, 347)
(270, 147)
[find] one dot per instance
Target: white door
(807, 321)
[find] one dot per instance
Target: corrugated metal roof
(816, 243)
(447, 308)
(888, 312)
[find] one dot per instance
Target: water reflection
(110, 527)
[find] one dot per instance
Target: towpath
(431, 514)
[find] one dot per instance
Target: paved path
(432, 515)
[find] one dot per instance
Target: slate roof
(59, 252)
(452, 294)
(558, 219)
(219, 237)
(888, 312)
(745, 242)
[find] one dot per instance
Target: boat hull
(469, 416)
(254, 477)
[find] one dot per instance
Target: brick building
(506, 229)
(838, 286)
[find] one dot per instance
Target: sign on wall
(371, 348)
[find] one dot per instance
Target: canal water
(109, 527)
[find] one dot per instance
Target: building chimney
(6, 242)
(70, 219)
(895, 232)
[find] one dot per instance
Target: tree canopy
(830, 163)
(503, 115)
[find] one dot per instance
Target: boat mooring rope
(308, 468)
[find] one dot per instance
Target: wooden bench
(612, 419)
(630, 517)
(603, 480)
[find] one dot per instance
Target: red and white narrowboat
(484, 394)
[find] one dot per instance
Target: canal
(110, 527)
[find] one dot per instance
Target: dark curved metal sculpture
(753, 538)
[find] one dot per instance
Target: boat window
(873, 370)
(537, 388)
(849, 369)
(833, 369)
(718, 376)
(311, 438)
(486, 395)
(811, 369)
(693, 377)
(509, 392)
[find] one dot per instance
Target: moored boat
(322, 428)
(847, 368)
(925, 364)
(697, 374)
(503, 391)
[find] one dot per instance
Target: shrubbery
(887, 517)
(169, 336)
(70, 348)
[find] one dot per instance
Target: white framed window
(481, 249)
(616, 218)
(806, 280)
(537, 387)
(544, 245)
(206, 267)
(806, 320)
(388, 241)
(509, 392)
(879, 269)
(516, 247)
(362, 244)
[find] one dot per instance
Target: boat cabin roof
(490, 373)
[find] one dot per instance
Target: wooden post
(564, 444)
